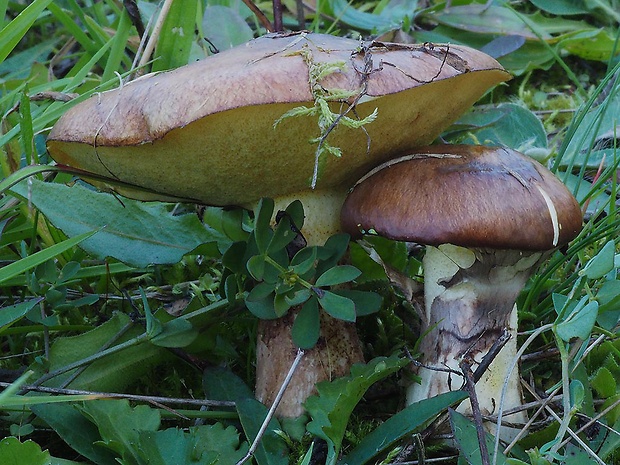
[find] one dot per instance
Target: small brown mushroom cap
(205, 132)
(466, 195)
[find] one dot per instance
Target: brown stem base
(337, 349)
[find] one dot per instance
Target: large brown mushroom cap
(466, 195)
(205, 132)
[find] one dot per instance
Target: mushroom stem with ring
(495, 217)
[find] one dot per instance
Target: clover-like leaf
(262, 229)
(338, 275)
(365, 302)
(256, 267)
(260, 291)
(304, 260)
(262, 308)
(307, 325)
(336, 305)
(280, 305)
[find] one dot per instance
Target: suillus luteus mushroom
(488, 217)
(205, 133)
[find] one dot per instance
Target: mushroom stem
(338, 347)
(470, 298)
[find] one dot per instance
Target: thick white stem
(469, 301)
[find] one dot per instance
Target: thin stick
(272, 410)
(491, 354)
(116, 395)
(277, 16)
(260, 15)
(154, 37)
(470, 385)
(301, 17)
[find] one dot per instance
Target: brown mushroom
(205, 133)
(489, 216)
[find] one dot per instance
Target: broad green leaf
(562, 7)
(582, 189)
(120, 425)
(466, 438)
(175, 333)
(575, 455)
(307, 325)
(404, 423)
(365, 302)
(111, 373)
(14, 452)
(579, 323)
(391, 253)
(220, 383)
(503, 45)
(75, 430)
(602, 263)
(136, 233)
(260, 291)
(20, 266)
(271, 449)
(225, 28)
(336, 305)
(12, 313)
(593, 44)
(611, 443)
(331, 408)
(608, 297)
(176, 37)
(348, 14)
(497, 19)
(506, 124)
(338, 275)
(202, 445)
(604, 382)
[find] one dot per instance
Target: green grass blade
(118, 47)
(177, 35)
(25, 173)
(3, 5)
(14, 31)
(19, 267)
(400, 425)
(73, 28)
